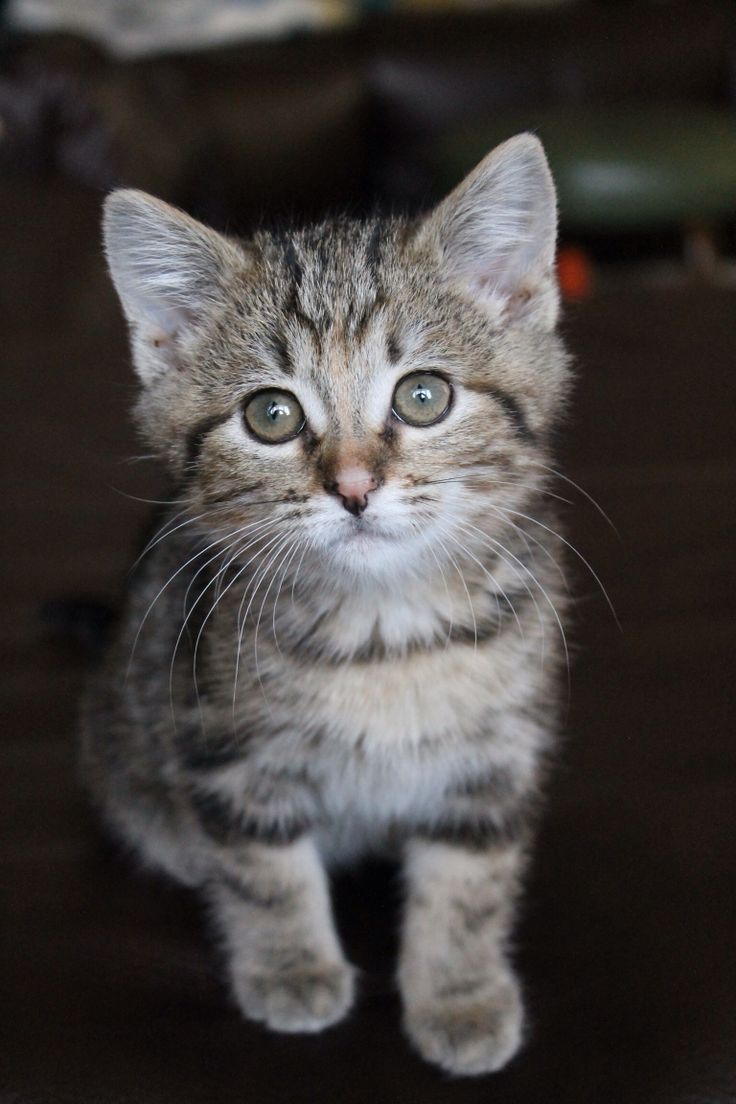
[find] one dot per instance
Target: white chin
(366, 555)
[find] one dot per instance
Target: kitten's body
(364, 746)
(307, 682)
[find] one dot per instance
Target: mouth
(360, 529)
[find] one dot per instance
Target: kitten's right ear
(169, 272)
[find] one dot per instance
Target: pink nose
(353, 485)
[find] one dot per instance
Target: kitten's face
(362, 396)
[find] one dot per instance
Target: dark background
(111, 992)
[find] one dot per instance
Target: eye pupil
(423, 394)
(275, 410)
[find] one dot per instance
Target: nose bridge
(349, 460)
(349, 471)
(348, 383)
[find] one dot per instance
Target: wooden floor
(110, 993)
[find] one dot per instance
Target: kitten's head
(354, 391)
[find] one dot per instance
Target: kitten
(345, 636)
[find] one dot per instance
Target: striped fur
(306, 683)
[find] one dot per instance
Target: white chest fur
(384, 738)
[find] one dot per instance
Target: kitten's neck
(380, 620)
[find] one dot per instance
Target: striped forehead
(347, 386)
(331, 273)
(336, 340)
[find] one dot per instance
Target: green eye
(422, 399)
(274, 416)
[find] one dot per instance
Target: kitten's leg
(462, 1005)
(271, 904)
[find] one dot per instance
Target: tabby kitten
(345, 636)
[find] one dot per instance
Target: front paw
(468, 1033)
(304, 999)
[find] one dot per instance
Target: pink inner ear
(159, 338)
(488, 285)
(161, 323)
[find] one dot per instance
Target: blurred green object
(618, 168)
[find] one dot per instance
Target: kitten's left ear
(495, 235)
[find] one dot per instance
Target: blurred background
(247, 112)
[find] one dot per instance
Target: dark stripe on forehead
(307, 323)
(372, 263)
(280, 350)
(364, 319)
(293, 304)
(293, 265)
(197, 436)
(393, 348)
(373, 251)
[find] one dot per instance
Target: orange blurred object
(574, 272)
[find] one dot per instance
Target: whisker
(255, 584)
(493, 580)
(307, 544)
(448, 638)
(160, 535)
(253, 528)
(249, 544)
(497, 544)
(467, 592)
(573, 549)
(145, 501)
(138, 459)
(169, 581)
(547, 599)
(500, 482)
(277, 568)
(182, 630)
(582, 491)
(296, 546)
(242, 618)
(216, 580)
(220, 594)
(241, 499)
(526, 537)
